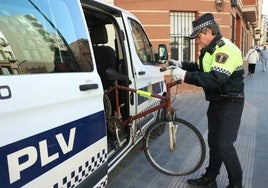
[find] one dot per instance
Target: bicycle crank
(115, 125)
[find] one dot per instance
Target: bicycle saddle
(112, 74)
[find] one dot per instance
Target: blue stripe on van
(88, 130)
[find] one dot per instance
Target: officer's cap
(200, 23)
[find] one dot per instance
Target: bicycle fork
(172, 129)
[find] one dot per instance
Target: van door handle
(5, 92)
(85, 87)
(141, 72)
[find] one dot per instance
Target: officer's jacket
(219, 70)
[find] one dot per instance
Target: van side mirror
(162, 53)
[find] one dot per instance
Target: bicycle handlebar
(162, 69)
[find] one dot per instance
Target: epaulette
(221, 43)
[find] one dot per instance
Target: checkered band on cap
(204, 24)
(201, 22)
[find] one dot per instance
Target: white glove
(175, 62)
(177, 74)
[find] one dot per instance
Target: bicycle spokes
(184, 153)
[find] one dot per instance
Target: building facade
(264, 30)
(170, 22)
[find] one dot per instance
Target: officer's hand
(175, 62)
(177, 74)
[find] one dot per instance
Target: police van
(53, 58)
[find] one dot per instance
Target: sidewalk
(252, 143)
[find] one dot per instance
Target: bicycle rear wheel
(189, 153)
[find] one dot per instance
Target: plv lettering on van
(25, 160)
(13, 160)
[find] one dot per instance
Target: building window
(182, 48)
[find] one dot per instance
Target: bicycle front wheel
(188, 154)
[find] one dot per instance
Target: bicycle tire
(107, 106)
(188, 155)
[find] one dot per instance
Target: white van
(53, 57)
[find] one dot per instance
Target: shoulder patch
(221, 43)
(221, 57)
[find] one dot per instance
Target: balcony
(250, 13)
(249, 10)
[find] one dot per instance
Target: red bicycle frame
(165, 98)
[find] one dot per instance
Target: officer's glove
(177, 74)
(175, 62)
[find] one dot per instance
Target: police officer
(219, 71)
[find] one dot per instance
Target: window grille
(182, 48)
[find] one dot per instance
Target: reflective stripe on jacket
(219, 70)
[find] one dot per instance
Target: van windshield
(43, 37)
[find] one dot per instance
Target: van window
(42, 37)
(143, 46)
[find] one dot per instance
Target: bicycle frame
(162, 131)
(165, 98)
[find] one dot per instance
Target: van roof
(100, 4)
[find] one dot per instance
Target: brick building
(169, 22)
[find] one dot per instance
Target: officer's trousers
(223, 124)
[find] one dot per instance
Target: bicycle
(185, 151)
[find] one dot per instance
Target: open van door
(145, 67)
(52, 123)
